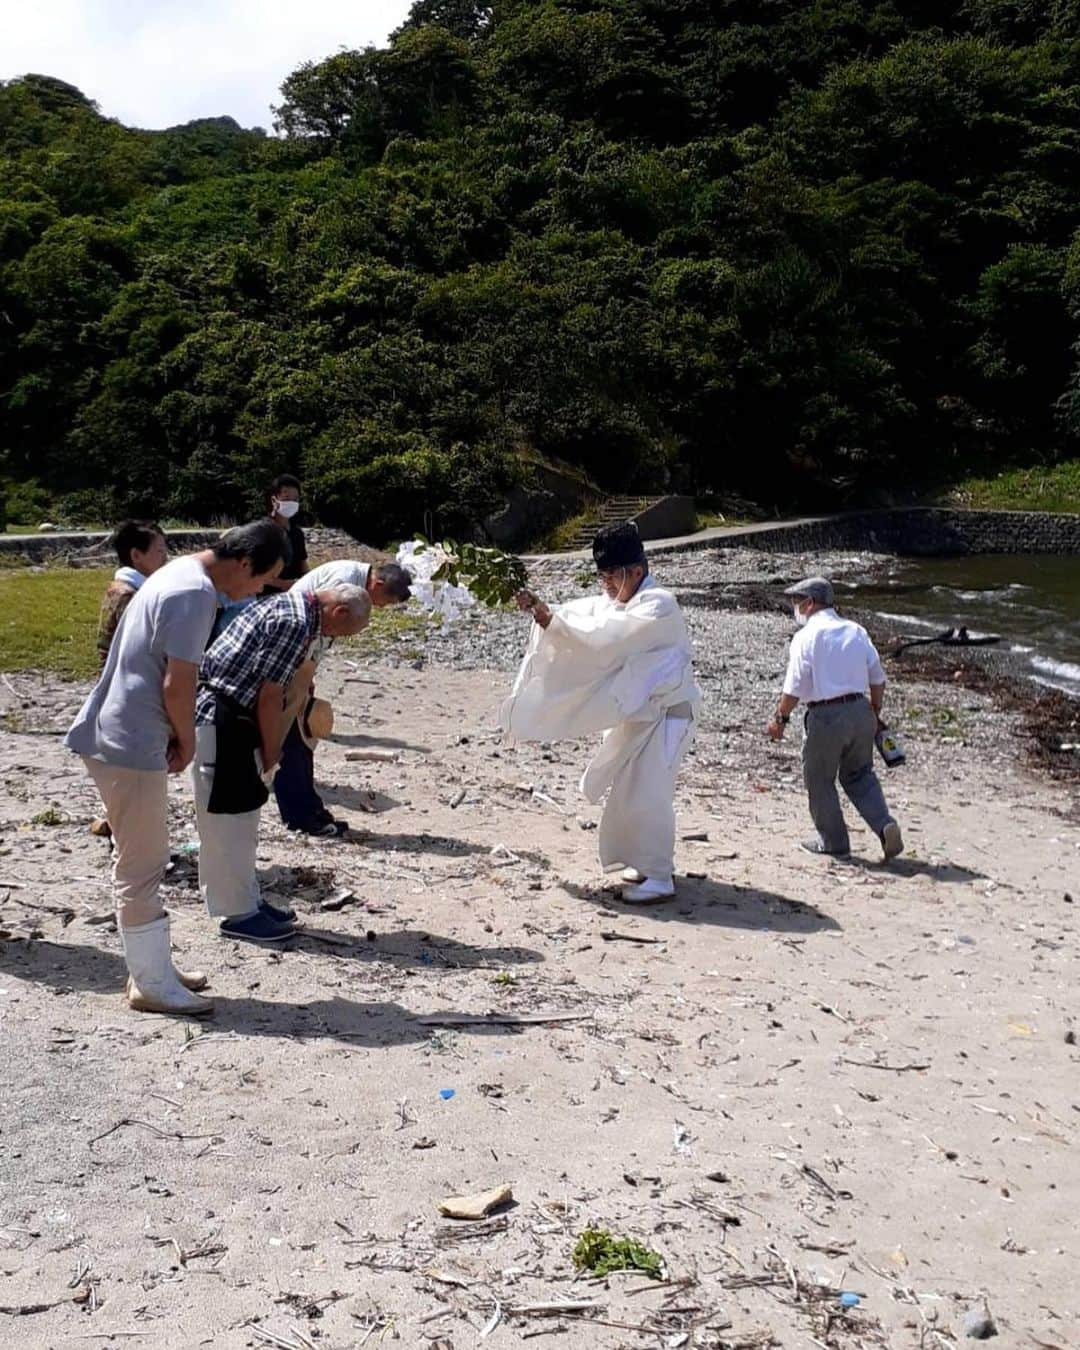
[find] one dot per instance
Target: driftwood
(499, 1019)
(951, 637)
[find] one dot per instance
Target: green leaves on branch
(492, 576)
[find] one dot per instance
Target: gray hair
(355, 599)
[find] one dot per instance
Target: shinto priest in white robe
(624, 670)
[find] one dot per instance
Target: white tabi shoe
(155, 986)
(650, 890)
(633, 876)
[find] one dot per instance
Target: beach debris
(978, 1324)
(337, 900)
(475, 1206)
(682, 1137)
(600, 1252)
(373, 755)
(554, 1309)
(499, 1019)
(447, 1094)
(101, 829)
(501, 856)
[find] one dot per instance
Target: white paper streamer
(440, 599)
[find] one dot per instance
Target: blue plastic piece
(446, 1093)
(849, 1300)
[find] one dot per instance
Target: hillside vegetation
(794, 251)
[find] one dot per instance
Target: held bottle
(889, 746)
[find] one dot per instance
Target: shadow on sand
(65, 967)
(698, 901)
(359, 740)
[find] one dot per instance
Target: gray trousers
(840, 742)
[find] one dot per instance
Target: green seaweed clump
(597, 1250)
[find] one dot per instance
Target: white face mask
(286, 510)
(800, 618)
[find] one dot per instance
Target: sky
(155, 63)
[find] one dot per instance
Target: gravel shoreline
(951, 702)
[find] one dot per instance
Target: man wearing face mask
(284, 503)
(831, 668)
(618, 663)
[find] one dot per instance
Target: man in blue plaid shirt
(239, 728)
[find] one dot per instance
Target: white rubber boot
(190, 979)
(154, 985)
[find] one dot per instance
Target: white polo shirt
(831, 657)
(326, 577)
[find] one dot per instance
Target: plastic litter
(446, 1093)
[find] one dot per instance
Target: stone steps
(613, 511)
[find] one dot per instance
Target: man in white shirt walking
(832, 666)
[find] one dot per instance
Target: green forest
(804, 251)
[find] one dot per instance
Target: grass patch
(48, 621)
(1045, 487)
(716, 520)
(561, 538)
(390, 627)
(601, 1252)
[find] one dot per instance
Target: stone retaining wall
(916, 532)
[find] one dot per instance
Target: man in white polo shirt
(832, 666)
(298, 800)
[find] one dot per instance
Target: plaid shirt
(265, 643)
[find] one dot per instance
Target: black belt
(843, 698)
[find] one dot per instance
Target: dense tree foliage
(709, 244)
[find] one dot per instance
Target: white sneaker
(633, 876)
(651, 889)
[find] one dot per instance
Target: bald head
(345, 610)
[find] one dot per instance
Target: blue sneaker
(258, 927)
(275, 912)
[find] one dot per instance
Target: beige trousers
(136, 804)
(227, 843)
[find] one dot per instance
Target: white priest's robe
(625, 670)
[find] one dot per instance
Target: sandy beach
(800, 1079)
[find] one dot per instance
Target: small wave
(1020, 650)
(1062, 670)
(1069, 689)
(1006, 593)
(911, 619)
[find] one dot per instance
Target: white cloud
(154, 63)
